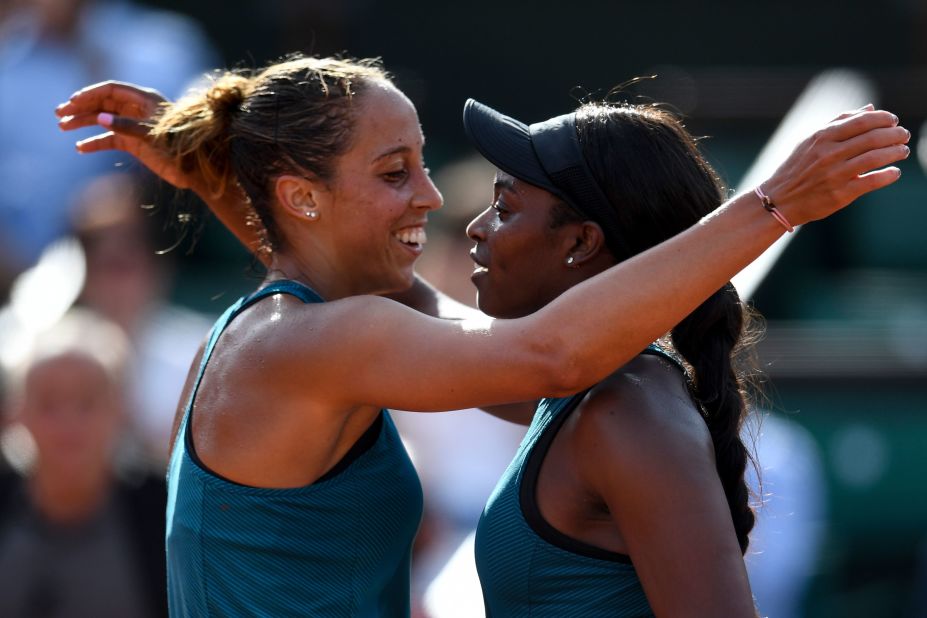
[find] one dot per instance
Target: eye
(500, 208)
(396, 176)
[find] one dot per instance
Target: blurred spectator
(49, 49)
(76, 538)
(127, 282)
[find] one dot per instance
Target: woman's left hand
(126, 110)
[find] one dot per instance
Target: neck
(320, 276)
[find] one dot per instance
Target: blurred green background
(846, 348)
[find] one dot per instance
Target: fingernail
(105, 119)
(907, 151)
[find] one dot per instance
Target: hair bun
(227, 93)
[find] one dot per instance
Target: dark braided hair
(653, 174)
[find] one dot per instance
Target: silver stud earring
(312, 214)
(569, 261)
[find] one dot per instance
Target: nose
(428, 197)
(476, 229)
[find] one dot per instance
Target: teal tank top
(526, 566)
(340, 546)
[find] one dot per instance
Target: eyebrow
(504, 182)
(397, 150)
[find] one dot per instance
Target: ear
(587, 243)
(299, 197)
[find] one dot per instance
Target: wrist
(770, 207)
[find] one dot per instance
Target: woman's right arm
(402, 359)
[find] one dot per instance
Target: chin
(406, 279)
(485, 304)
(398, 283)
(498, 306)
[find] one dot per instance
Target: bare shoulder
(642, 449)
(641, 416)
(283, 342)
(281, 324)
(278, 342)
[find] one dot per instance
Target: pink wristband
(771, 209)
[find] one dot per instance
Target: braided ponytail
(709, 340)
(650, 169)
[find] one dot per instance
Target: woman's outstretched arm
(405, 360)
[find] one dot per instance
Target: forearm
(604, 321)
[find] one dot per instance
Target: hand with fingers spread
(840, 162)
(130, 112)
(127, 111)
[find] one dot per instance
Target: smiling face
(520, 258)
(380, 197)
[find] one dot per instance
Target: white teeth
(412, 236)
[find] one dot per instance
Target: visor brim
(506, 143)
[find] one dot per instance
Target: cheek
(516, 251)
(371, 222)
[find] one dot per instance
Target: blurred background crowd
(109, 280)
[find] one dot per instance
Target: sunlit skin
(632, 470)
(291, 387)
(330, 367)
(381, 191)
(381, 195)
(519, 258)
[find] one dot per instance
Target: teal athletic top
(526, 566)
(340, 546)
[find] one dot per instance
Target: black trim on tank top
(307, 295)
(363, 444)
(527, 494)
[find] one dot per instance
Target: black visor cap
(506, 143)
